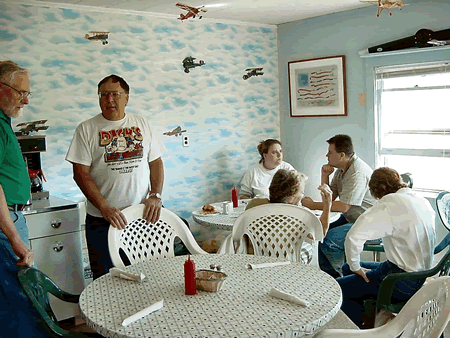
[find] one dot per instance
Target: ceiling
(269, 12)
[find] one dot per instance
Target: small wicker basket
(208, 280)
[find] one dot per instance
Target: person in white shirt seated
(405, 222)
(256, 181)
(288, 186)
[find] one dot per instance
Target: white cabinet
(55, 237)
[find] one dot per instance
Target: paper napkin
(266, 265)
(286, 296)
(116, 272)
(152, 308)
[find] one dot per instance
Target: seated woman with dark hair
(288, 187)
(405, 222)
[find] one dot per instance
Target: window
(412, 111)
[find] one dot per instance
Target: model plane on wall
(32, 126)
(386, 4)
(177, 132)
(192, 12)
(98, 36)
(252, 72)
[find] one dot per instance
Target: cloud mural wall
(225, 116)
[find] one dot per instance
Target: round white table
(220, 220)
(226, 222)
(242, 308)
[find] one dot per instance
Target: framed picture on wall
(317, 87)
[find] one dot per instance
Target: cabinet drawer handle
(56, 223)
(58, 246)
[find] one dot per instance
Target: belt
(17, 207)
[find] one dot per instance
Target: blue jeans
(97, 241)
(355, 290)
(332, 250)
(18, 315)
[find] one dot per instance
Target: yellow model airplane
(386, 4)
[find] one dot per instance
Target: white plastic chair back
(425, 315)
(276, 230)
(140, 241)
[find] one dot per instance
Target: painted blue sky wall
(225, 116)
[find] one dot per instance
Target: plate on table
(200, 212)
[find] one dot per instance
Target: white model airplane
(435, 42)
(386, 4)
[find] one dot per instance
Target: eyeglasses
(115, 95)
(22, 94)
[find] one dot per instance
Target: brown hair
(115, 78)
(385, 181)
(9, 69)
(263, 147)
(342, 144)
(286, 184)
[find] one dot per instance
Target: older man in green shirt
(17, 314)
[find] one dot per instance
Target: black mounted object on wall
(420, 39)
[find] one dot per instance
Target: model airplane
(386, 4)
(98, 36)
(192, 12)
(423, 38)
(252, 72)
(177, 132)
(189, 63)
(435, 42)
(28, 127)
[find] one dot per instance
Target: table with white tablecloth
(226, 221)
(242, 308)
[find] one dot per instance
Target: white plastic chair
(425, 315)
(276, 230)
(140, 241)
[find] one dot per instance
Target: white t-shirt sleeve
(79, 151)
(374, 223)
(246, 184)
(157, 147)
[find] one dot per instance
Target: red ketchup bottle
(190, 286)
(234, 197)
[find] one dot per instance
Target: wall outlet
(185, 140)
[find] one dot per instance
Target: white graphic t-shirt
(118, 153)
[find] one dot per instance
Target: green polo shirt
(14, 177)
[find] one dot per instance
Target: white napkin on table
(266, 265)
(116, 272)
(286, 296)
(152, 308)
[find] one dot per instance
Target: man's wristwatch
(155, 194)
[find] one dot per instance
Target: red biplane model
(28, 127)
(192, 12)
(98, 36)
(386, 4)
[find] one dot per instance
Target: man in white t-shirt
(116, 160)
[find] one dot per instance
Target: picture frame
(317, 87)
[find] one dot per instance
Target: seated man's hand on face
(327, 169)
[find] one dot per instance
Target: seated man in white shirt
(405, 222)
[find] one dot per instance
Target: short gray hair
(9, 69)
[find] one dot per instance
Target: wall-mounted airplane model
(177, 132)
(98, 36)
(386, 4)
(192, 12)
